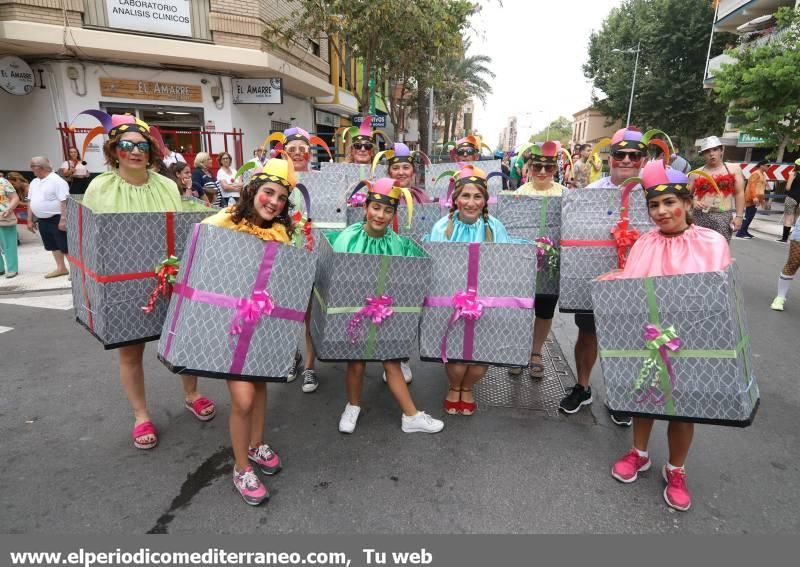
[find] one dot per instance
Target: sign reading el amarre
(149, 90)
(16, 77)
(257, 91)
(169, 17)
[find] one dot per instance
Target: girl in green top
(373, 236)
(131, 188)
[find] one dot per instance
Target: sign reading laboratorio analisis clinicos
(257, 91)
(169, 17)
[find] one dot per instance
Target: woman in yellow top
(263, 211)
(130, 187)
(542, 162)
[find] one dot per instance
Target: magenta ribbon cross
(377, 309)
(469, 306)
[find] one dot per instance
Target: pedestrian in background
(204, 186)
(582, 168)
(74, 172)
(182, 174)
(172, 156)
(229, 187)
(753, 195)
(48, 211)
(791, 206)
(8, 229)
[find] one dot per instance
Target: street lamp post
(635, 69)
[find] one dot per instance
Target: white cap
(710, 142)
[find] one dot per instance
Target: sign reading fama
(169, 17)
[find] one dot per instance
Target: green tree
(464, 77)
(763, 86)
(669, 94)
(559, 129)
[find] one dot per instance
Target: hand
(736, 223)
(32, 227)
(62, 225)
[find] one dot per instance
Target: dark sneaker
(295, 370)
(310, 382)
(578, 396)
(621, 419)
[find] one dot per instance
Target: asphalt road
(67, 464)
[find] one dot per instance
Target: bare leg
(191, 394)
(456, 372)
(258, 415)
(541, 328)
(474, 373)
(354, 381)
(242, 402)
(59, 258)
(585, 356)
(131, 376)
(642, 427)
(679, 436)
(398, 387)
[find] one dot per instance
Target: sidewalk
(768, 223)
(34, 263)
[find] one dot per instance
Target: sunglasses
(621, 155)
(127, 145)
(466, 152)
(362, 146)
(548, 167)
(297, 150)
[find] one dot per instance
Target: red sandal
(468, 408)
(143, 430)
(452, 408)
(196, 407)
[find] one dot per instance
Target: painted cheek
(123, 154)
(262, 199)
(678, 212)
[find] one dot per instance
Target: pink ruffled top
(697, 250)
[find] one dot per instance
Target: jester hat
(546, 153)
(297, 133)
(280, 171)
(657, 179)
(399, 153)
(362, 133)
(632, 139)
(468, 174)
(385, 192)
(472, 141)
(114, 124)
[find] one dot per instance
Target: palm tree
(464, 77)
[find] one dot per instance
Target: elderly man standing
(48, 194)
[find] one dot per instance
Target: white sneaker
(421, 422)
(347, 423)
(406, 369)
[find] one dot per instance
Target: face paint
(123, 154)
(678, 212)
(262, 198)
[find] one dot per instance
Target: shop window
(314, 45)
(277, 126)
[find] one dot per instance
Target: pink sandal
(143, 430)
(200, 404)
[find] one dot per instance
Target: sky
(538, 48)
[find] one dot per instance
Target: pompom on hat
(399, 153)
(114, 124)
(296, 133)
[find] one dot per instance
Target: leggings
(793, 263)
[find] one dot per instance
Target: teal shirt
(474, 232)
(355, 239)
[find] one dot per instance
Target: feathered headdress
(296, 133)
(400, 153)
(113, 124)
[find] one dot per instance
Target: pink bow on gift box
(467, 305)
(251, 310)
(377, 309)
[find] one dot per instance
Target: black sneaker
(310, 382)
(577, 397)
(621, 419)
(295, 370)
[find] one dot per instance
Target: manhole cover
(499, 389)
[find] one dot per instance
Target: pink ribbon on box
(469, 306)
(249, 311)
(377, 309)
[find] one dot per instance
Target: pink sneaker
(676, 494)
(267, 460)
(250, 487)
(627, 469)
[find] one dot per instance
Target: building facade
(589, 126)
(199, 69)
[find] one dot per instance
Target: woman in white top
(74, 171)
(229, 187)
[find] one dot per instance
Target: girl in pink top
(675, 247)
